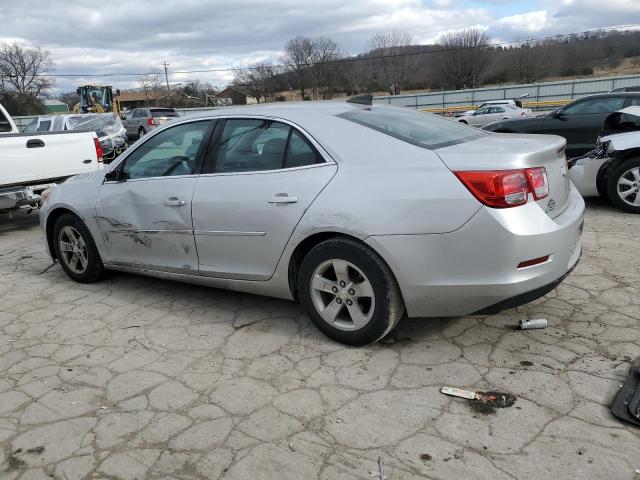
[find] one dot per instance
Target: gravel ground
(140, 378)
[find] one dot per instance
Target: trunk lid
(507, 151)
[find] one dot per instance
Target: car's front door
(479, 117)
(581, 122)
(144, 206)
(259, 180)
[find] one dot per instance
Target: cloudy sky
(119, 36)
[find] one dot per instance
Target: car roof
(288, 110)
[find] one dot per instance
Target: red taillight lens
(99, 152)
(497, 189)
(149, 121)
(538, 182)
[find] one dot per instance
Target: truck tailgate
(27, 159)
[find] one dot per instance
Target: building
(55, 106)
(236, 96)
(131, 100)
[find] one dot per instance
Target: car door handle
(174, 202)
(283, 198)
(35, 143)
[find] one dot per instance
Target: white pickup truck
(31, 163)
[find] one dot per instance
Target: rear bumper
(475, 267)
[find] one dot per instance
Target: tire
(141, 133)
(623, 186)
(65, 229)
(379, 307)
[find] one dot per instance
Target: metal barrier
(544, 94)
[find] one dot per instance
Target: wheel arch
(308, 243)
(52, 218)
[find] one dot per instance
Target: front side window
(595, 106)
(252, 145)
(172, 152)
(417, 128)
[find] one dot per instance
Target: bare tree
(530, 62)
(298, 57)
(24, 75)
(464, 59)
(323, 71)
(151, 85)
(258, 80)
(396, 68)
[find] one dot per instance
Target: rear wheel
(349, 293)
(142, 132)
(76, 250)
(623, 186)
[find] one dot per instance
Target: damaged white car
(612, 169)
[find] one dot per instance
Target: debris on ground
(482, 402)
(533, 324)
(626, 405)
(380, 473)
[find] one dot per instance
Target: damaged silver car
(362, 213)
(612, 169)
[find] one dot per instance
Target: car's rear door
(259, 180)
(145, 216)
(581, 122)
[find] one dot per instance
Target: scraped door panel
(242, 222)
(147, 223)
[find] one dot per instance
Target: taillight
(506, 188)
(538, 182)
(498, 189)
(150, 121)
(99, 152)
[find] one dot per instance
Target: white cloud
(124, 36)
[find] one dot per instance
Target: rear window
(163, 112)
(417, 128)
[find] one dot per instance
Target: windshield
(421, 129)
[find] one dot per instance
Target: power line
(347, 59)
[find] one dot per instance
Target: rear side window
(417, 128)
(164, 112)
(140, 114)
(252, 145)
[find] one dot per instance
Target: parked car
(485, 115)
(612, 169)
(579, 122)
(362, 213)
(514, 102)
(141, 121)
(31, 163)
(107, 126)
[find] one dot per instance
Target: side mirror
(116, 175)
(559, 115)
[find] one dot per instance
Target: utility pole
(166, 75)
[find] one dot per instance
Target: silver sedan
(363, 214)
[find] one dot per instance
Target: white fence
(536, 92)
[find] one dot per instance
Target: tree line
(317, 68)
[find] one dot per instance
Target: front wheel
(623, 186)
(349, 293)
(76, 250)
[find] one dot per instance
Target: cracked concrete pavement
(135, 377)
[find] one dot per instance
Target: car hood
(520, 123)
(622, 141)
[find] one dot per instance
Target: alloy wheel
(628, 187)
(342, 295)
(73, 250)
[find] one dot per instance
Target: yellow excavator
(97, 99)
